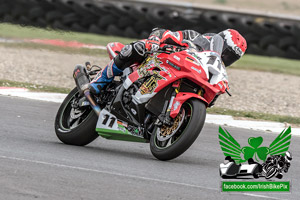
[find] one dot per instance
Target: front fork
(168, 119)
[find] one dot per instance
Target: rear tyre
(167, 143)
(75, 125)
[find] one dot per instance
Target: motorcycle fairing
(171, 74)
(152, 68)
(180, 98)
(215, 83)
(191, 68)
(133, 112)
(203, 68)
(113, 49)
(200, 62)
(109, 127)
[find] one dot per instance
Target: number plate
(109, 127)
(107, 120)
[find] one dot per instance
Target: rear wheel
(167, 143)
(73, 124)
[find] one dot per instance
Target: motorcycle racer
(229, 44)
(162, 100)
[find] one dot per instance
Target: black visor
(229, 57)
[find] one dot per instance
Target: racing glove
(152, 43)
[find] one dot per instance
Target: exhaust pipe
(82, 83)
(81, 78)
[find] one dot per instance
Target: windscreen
(215, 43)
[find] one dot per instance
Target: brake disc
(166, 132)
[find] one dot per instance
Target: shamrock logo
(232, 148)
(255, 150)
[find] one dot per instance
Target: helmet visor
(229, 57)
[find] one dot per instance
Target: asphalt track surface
(34, 164)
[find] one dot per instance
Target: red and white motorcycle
(162, 101)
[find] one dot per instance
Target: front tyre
(75, 125)
(167, 143)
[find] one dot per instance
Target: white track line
(124, 175)
(273, 127)
(25, 93)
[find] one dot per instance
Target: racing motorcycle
(161, 101)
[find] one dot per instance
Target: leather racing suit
(135, 52)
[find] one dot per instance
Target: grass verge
(268, 64)
(255, 115)
(28, 32)
(34, 87)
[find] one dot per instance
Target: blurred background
(271, 27)
(41, 41)
(264, 83)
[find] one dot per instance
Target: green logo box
(243, 186)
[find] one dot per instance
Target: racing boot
(104, 77)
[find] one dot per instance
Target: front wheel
(167, 143)
(75, 125)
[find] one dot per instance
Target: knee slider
(124, 56)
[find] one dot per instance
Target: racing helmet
(234, 47)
